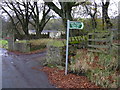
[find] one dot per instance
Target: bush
(3, 44)
(100, 68)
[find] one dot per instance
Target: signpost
(71, 25)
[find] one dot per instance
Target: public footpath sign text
(75, 25)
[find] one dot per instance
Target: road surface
(17, 71)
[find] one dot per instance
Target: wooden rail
(100, 42)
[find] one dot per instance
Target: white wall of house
(32, 31)
(55, 34)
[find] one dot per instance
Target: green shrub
(3, 44)
(100, 68)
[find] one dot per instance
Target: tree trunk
(94, 23)
(66, 15)
(105, 15)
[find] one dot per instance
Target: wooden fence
(100, 42)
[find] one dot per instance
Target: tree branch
(14, 25)
(54, 7)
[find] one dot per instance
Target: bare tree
(22, 14)
(36, 9)
(105, 17)
(28, 13)
(92, 12)
(65, 11)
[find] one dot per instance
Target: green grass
(34, 41)
(54, 42)
(3, 44)
(57, 43)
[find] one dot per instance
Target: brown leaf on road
(60, 80)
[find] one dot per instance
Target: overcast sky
(113, 8)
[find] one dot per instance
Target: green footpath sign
(71, 25)
(75, 25)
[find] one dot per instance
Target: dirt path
(17, 71)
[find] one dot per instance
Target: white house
(32, 31)
(53, 33)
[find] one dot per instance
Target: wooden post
(111, 40)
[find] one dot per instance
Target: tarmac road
(17, 71)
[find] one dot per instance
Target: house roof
(32, 31)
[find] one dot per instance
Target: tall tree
(22, 14)
(14, 24)
(92, 12)
(105, 17)
(36, 9)
(65, 11)
(28, 13)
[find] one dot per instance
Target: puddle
(3, 52)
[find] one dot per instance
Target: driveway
(17, 71)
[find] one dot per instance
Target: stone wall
(55, 55)
(22, 47)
